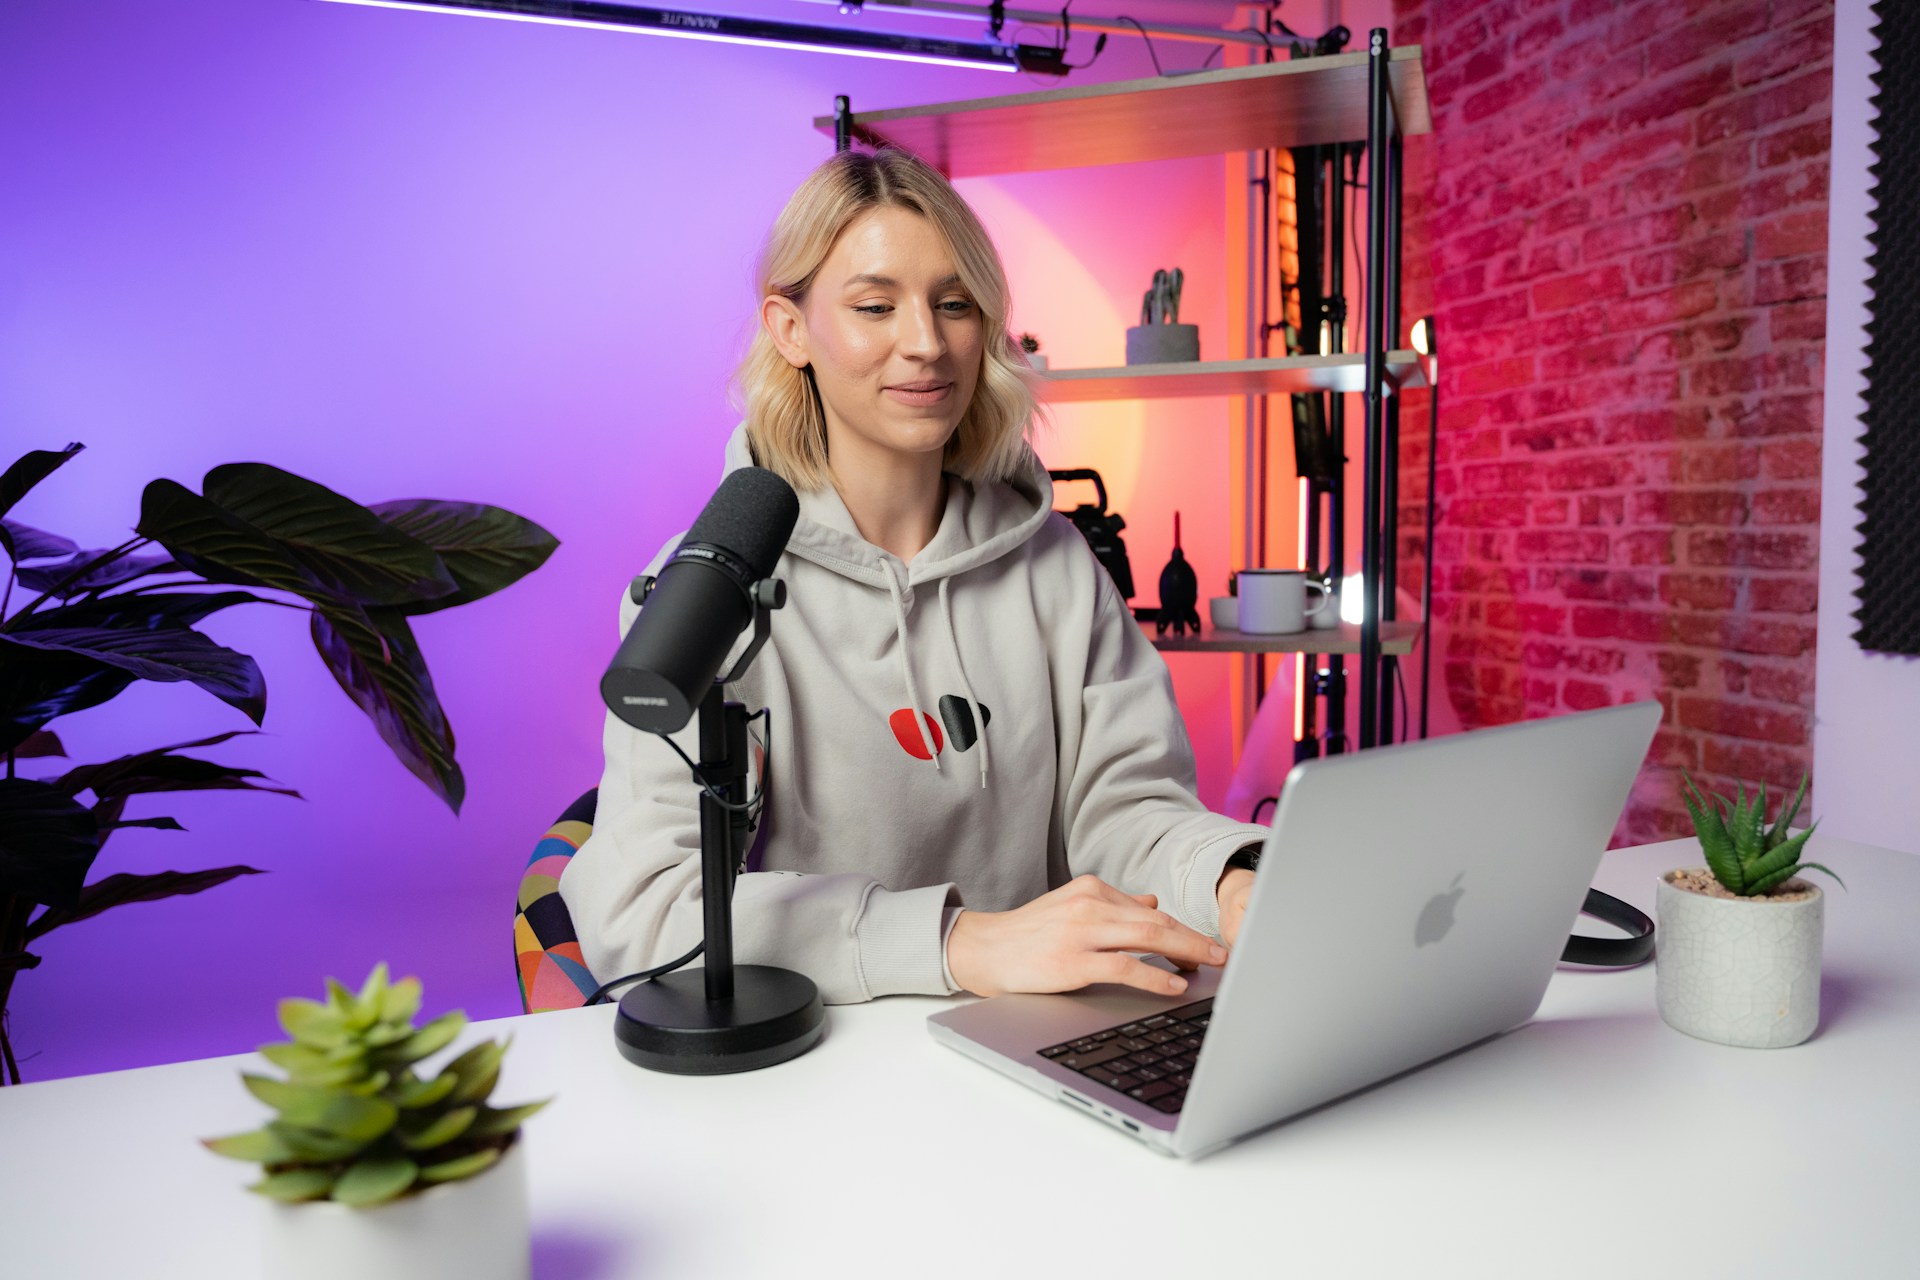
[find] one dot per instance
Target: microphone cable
(751, 807)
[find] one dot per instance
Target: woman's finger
(1162, 937)
(1115, 966)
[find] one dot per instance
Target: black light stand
(724, 1017)
(1427, 343)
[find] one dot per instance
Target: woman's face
(893, 338)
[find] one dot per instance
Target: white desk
(1594, 1142)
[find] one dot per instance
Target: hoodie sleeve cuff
(901, 941)
(1199, 896)
(946, 931)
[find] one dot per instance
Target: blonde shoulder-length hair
(786, 423)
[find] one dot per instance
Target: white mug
(1274, 601)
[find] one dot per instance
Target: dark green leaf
(134, 611)
(160, 656)
(1714, 841)
(39, 745)
(1815, 866)
(158, 824)
(443, 1129)
(485, 548)
(1776, 864)
(24, 542)
(309, 1066)
(314, 1144)
(379, 664)
(345, 544)
(66, 579)
(478, 1069)
(424, 1093)
(497, 1123)
(433, 1037)
(464, 1167)
(375, 1181)
(219, 546)
(292, 1186)
(30, 470)
(1744, 826)
(33, 693)
(47, 842)
(261, 1146)
(1787, 814)
(160, 770)
(341, 1114)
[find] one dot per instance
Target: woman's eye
(875, 309)
(961, 305)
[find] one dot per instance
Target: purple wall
(407, 255)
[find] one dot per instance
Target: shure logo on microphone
(633, 700)
(689, 20)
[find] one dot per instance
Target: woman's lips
(935, 396)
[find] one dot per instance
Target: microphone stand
(725, 1017)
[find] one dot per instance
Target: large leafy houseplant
(100, 620)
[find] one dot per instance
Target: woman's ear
(787, 327)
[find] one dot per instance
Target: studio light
(1423, 335)
(687, 25)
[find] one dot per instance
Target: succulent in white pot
(1738, 960)
(376, 1170)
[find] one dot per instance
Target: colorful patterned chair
(553, 974)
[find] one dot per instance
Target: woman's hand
(1235, 887)
(1073, 936)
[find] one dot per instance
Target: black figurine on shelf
(1179, 592)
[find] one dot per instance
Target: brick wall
(1620, 226)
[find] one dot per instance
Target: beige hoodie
(1047, 744)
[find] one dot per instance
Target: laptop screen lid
(1411, 900)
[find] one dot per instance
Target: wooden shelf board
(1395, 638)
(1278, 376)
(1267, 105)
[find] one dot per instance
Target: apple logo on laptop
(1437, 918)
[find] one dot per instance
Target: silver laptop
(1411, 900)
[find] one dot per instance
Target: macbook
(1411, 900)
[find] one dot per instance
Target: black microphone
(702, 599)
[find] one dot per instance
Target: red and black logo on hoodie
(955, 714)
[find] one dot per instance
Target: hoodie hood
(981, 524)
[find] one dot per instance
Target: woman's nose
(920, 332)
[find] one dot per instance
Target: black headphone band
(1611, 953)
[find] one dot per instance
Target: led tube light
(687, 25)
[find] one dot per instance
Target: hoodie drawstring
(973, 703)
(913, 692)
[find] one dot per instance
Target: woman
(973, 753)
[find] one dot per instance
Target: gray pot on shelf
(1163, 344)
(1739, 971)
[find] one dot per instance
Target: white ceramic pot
(475, 1229)
(1738, 971)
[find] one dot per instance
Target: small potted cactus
(1739, 951)
(375, 1169)
(1031, 346)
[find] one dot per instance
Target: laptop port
(1077, 1098)
(1130, 1124)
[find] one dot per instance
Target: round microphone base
(668, 1024)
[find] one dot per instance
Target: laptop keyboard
(1150, 1059)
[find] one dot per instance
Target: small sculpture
(1160, 338)
(1179, 591)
